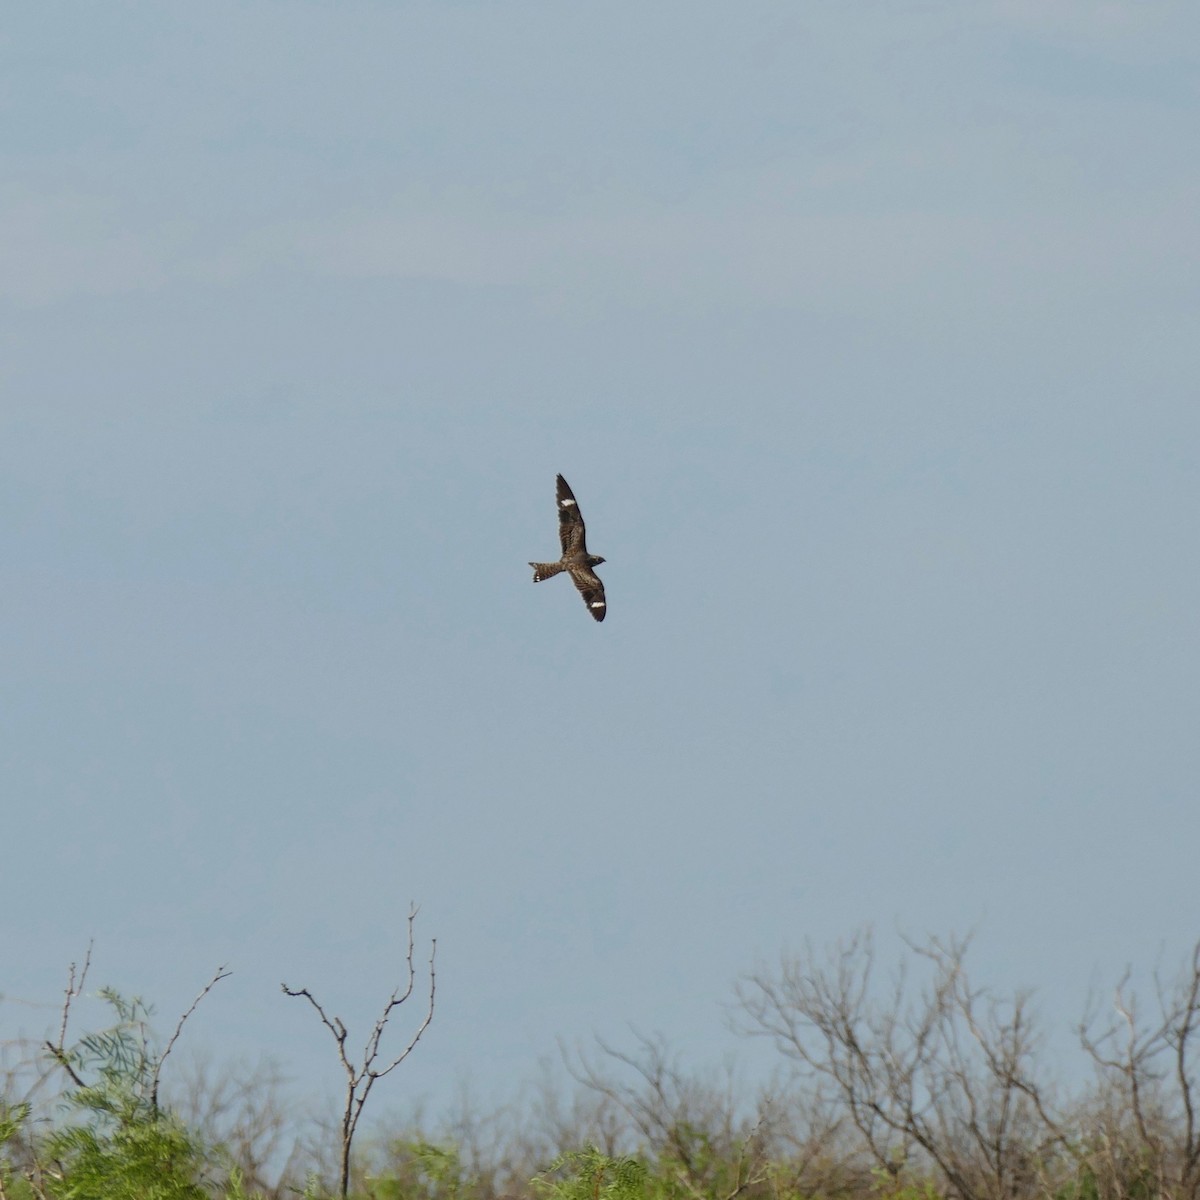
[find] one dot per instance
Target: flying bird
(576, 560)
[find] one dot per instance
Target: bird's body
(576, 560)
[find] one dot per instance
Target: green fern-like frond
(12, 1117)
(589, 1174)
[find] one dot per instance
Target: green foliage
(890, 1186)
(420, 1170)
(120, 1145)
(1085, 1187)
(235, 1188)
(590, 1175)
(143, 1157)
(12, 1118)
(111, 1140)
(1137, 1182)
(710, 1165)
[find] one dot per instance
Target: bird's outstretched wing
(591, 589)
(571, 530)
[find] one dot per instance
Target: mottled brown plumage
(576, 560)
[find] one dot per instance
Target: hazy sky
(866, 334)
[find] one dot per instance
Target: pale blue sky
(865, 333)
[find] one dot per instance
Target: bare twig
(221, 973)
(74, 988)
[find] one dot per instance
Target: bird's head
(595, 560)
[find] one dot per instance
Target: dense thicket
(903, 1084)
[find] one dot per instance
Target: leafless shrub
(939, 1076)
(562, 1119)
(704, 1140)
(362, 1075)
(240, 1112)
(1143, 1134)
(504, 1146)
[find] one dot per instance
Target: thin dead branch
(58, 1050)
(362, 1076)
(221, 973)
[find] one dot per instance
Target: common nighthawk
(576, 560)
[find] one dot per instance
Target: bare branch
(334, 1025)
(221, 973)
(424, 1024)
(360, 1079)
(74, 988)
